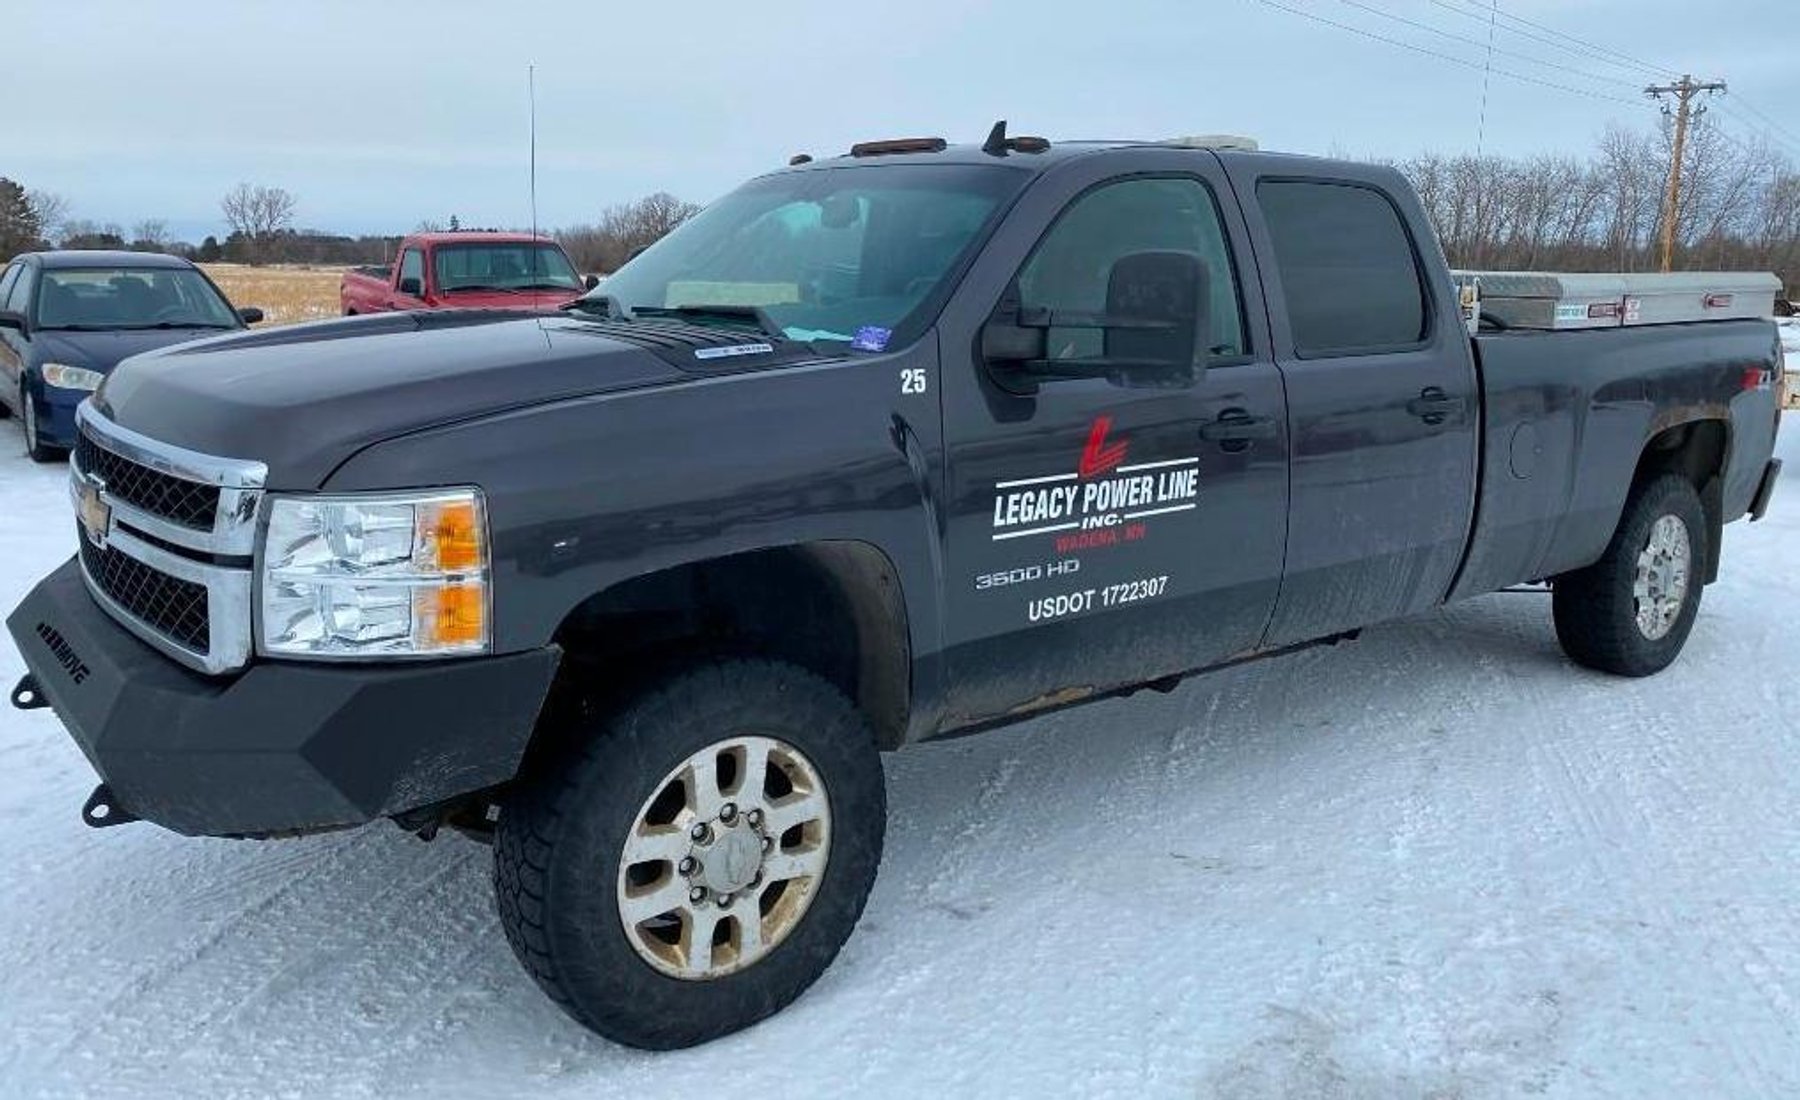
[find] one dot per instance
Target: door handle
(1236, 428)
(1433, 405)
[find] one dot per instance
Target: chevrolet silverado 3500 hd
(876, 449)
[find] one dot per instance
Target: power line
(1768, 122)
(1593, 48)
(1489, 46)
(1453, 59)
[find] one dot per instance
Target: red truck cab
(472, 270)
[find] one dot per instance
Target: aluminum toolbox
(1555, 300)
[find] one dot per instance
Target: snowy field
(1439, 862)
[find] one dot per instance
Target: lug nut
(727, 812)
(724, 901)
(768, 843)
(697, 894)
(688, 865)
(699, 832)
(754, 817)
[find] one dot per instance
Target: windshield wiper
(171, 324)
(747, 316)
(477, 286)
(548, 286)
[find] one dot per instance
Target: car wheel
(1631, 612)
(698, 861)
(35, 448)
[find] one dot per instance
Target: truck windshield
(503, 266)
(851, 254)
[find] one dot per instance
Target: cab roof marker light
(899, 145)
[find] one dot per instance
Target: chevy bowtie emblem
(92, 511)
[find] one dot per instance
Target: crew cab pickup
(880, 448)
(466, 270)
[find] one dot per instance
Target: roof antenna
(995, 145)
(531, 95)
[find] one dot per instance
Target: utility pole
(1684, 91)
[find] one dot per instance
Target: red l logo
(1097, 458)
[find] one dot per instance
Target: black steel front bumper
(281, 747)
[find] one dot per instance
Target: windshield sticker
(1101, 499)
(732, 350)
(872, 338)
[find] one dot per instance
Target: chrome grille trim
(130, 529)
(240, 483)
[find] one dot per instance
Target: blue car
(68, 318)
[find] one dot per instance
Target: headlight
(65, 377)
(375, 576)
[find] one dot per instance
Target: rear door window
(1347, 268)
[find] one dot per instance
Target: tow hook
(103, 810)
(26, 694)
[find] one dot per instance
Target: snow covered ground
(1438, 862)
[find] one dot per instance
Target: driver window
(1072, 266)
(412, 266)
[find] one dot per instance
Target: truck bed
(1563, 419)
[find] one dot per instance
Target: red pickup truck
(466, 271)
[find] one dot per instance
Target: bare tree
(625, 230)
(150, 235)
(259, 213)
(52, 212)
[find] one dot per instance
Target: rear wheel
(35, 448)
(1631, 612)
(697, 863)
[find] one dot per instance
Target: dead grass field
(287, 294)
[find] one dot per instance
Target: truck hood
(305, 398)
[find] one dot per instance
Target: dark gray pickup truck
(880, 448)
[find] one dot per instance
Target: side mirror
(9, 319)
(411, 287)
(250, 315)
(590, 281)
(1153, 328)
(1158, 305)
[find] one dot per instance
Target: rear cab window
(1347, 268)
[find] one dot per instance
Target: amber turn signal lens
(451, 533)
(450, 617)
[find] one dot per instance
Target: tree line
(1739, 209)
(261, 221)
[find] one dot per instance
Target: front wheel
(1630, 612)
(696, 863)
(35, 447)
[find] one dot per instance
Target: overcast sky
(380, 114)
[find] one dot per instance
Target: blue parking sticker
(872, 338)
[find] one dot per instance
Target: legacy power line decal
(1101, 493)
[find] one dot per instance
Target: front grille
(175, 608)
(176, 499)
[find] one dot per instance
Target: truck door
(1382, 402)
(1107, 527)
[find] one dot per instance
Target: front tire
(1631, 612)
(698, 859)
(35, 447)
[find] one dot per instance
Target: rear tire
(1631, 612)
(570, 860)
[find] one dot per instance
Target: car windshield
(850, 254)
(503, 266)
(130, 297)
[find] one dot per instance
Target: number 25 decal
(912, 380)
